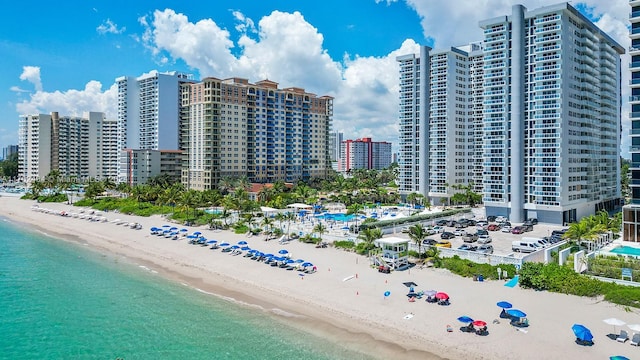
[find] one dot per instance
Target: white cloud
(72, 102)
(32, 75)
(110, 27)
(17, 89)
(245, 24)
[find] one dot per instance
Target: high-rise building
(149, 110)
(439, 135)
(531, 117)
(365, 154)
(80, 147)
(335, 139)
(631, 211)
(234, 128)
(551, 115)
(9, 150)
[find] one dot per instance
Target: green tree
(369, 236)
(418, 234)
(320, 229)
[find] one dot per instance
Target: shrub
(344, 244)
(468, 268)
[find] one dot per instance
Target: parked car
(460, 225)
(451, 223)
(501, 219)
(467, 247)
(526, 227)
(405, 230)
(447, 235)
(491, 218)
(493, 227)
(559, 232)
(445, 244)
(482, 232)
(517, 230)
(506, 229)
(469, 238)
(534, 221)
(485, 249)
(430, 242)
(441, 222)
(482, 223)
(438, 229)
(484, 239)
(459, 232)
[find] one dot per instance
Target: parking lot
(501, 241)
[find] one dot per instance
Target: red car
(517, 230)
(493, 227)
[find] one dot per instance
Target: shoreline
(350, 312)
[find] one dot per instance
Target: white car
(506, 229)
(484, 239)
(459, 232)
(438, 229)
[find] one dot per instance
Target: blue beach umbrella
(504, 304)
(242, 242)
(618, 357)
(212, 241)
(197, 233)
(166, 226)
(269, 255)
(283, 252)
(253, 251)
(516, 313)
(581, 332)
(387, 293)
(465, 319)
(235, 247)
(245, 248)
(224, 244)
(299, 261)
(307, 264)
(289, 261)
(173, 228)
(183, 230)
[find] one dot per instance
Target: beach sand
(344, 300)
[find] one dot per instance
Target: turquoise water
(626, 250)
(213, 211)
(61, 301)
(336, 217)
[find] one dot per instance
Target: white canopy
(299, 206)
(267, 209)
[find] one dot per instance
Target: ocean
(59, 300)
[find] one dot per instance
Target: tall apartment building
(141, 165)
(9, 150)
(438, 134)
(80, 147)
(540, 133)
(365, 154)
(631, 211)
(234, 128)
(149, 110)
(551, 115)
(335, 141)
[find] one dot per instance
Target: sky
(64, 56)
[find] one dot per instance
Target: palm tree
(418, 234)
(369, 235)
(355, 209)
(267, 222)
(288, 217)
(580, 230)
(36, 188)
(320, 229)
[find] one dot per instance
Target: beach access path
(344, 300)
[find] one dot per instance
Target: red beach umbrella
(442, 296)
(479, 323)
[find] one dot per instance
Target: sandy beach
(344, 300)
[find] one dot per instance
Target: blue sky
(64, 56)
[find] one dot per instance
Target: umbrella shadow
(612, 336)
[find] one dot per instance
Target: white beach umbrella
(634, 327)
(615, 322)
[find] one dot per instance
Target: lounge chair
(482, 331)
(635, 340)
(623, 336)
(468, 329)
(584, 342)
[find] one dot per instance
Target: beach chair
(635, 340)
(623, 336)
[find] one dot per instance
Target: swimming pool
(626, 250)
(213, 211)
(336, 217)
